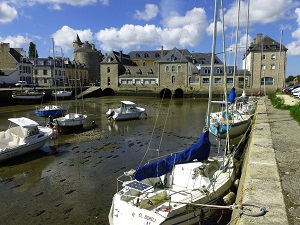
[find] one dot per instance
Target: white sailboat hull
(176, 204)
(62, 94)
(70, 122)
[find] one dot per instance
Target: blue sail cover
(232, 95)
(199, 151)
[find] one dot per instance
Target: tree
(1, 73)
(32, 51)
(289, 78)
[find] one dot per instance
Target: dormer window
(173, 58)
(273, 57)
(156, 55)
(109, 59)
(138, 55)
(146, 55)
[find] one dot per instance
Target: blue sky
(130, 25)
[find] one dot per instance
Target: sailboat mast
(54, 75)
(212, 64)
(225, 72)
(247, 32)
(236, 39)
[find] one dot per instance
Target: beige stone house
(14, 65)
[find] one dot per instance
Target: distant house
(14, 64)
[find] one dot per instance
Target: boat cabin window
(32, 131)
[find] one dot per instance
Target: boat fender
(168, 180)
(111, 115)
(229, 198)
(217, 125)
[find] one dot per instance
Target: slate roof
(268, 43)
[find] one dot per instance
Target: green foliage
(289, 79)
(1, 73)
(32, 51)
(278, 103)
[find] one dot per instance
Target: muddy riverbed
(72, 179)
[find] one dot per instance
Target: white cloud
(261, 12)
(178, 31)
(294, 47)
(149, 13)
(65, 36)
(16, 41)
(7, 13)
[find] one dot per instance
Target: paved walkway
(286, 143)
(271, 171)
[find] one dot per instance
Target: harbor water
(72, 179)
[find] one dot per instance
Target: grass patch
(278, 103)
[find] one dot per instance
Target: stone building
(14, 65)
(166, 72)
(87, 54)
(48, 74)
(266, 60)
(181, 72)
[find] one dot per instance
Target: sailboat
(62, 94)
(49, 110)
(72, 121)
(236, 120)
(179, 189)
(27, 96)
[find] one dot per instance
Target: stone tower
(87, 54)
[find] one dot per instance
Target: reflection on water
(72, 181)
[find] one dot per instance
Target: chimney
(258, 38)
(121, 56)
(162, 52)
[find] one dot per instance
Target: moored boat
(23, 136)
(127, 111)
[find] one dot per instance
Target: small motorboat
(23, 136)
(127, 111)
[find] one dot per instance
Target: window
(108, 69)
(273, 57)
(206, 71)
(230, 70)
(218, 80)
(156, 55)
(263, 57)
(167, 69)
(138, 55)
(173, 69)
(205, 80)
(146, 55)
(263, 66)
(273, 67)
(45, 81)
(173, 58)
(109, 59)
(230, 80)
(108, 81)
(179, 69)
(267, 81)
(144, 63)
(44, 72)
(173, 79)
(218, 71)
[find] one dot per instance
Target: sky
(131, 25)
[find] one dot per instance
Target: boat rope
(155, 126)
(240, 207)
